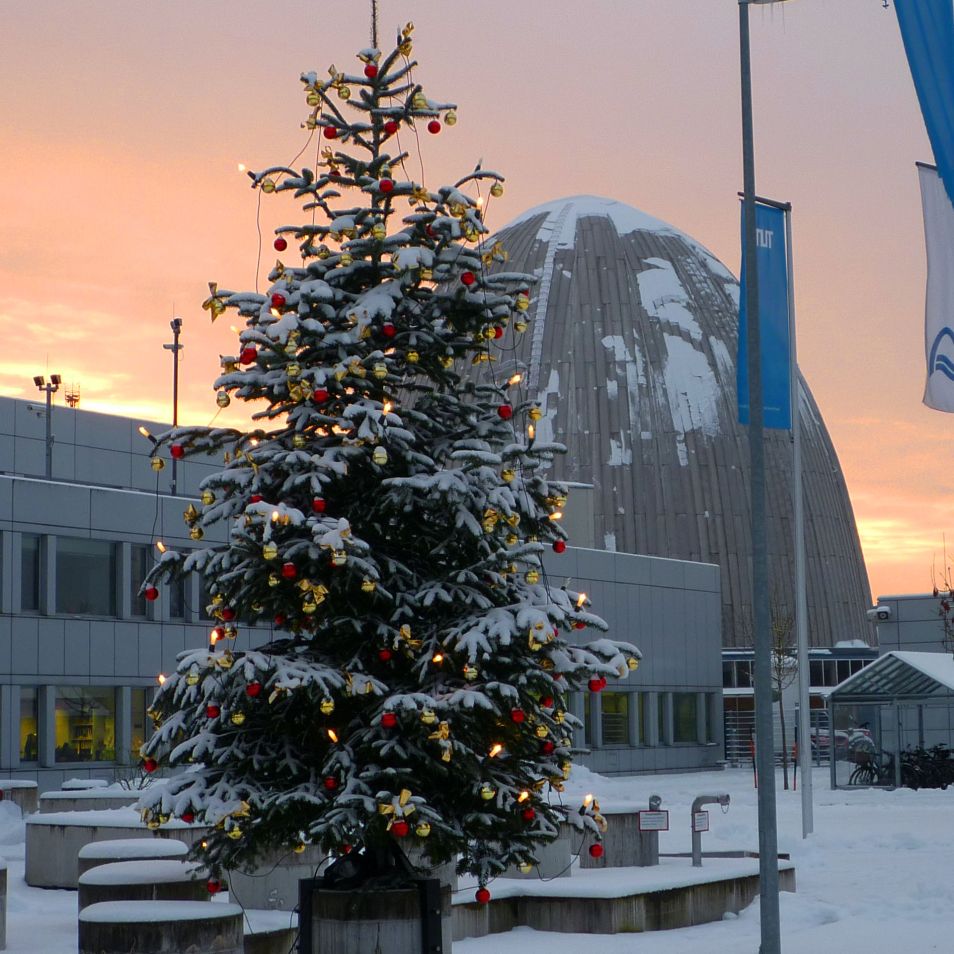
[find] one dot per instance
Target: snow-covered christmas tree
(388, 517)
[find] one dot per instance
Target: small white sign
(700, 821)
(653, 821)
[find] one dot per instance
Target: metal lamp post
(175, 348)
(50, 389)
(765, 742)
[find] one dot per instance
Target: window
(844, 669)
(661, 717)
(587, 719)
(728, 675)
(29, 732)
(205, 599)
(743, 674)
(85, 724)
(710, 735)
(177, 598)
(85, 577)
(615, 718)
(29, 572)
(140, 563)
(816, 675)
(684, 705)
(141, 723)
(644, 718)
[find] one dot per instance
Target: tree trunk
(781, 719)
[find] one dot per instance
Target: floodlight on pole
(175, 348)
(49, 389)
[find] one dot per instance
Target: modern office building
(80, 650)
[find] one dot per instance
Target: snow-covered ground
(874, 878)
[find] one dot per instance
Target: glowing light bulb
(387, 407)
(516, 379)
(242, 167)
(588, 799)
(523, 796)
(556, 515)
(161, 679)
(480, 202)
(437, 658)
(144, 431)
(274, 516)
(580, 600)
(495, 750)
(160, 546)
(332, 735)
(531, 431)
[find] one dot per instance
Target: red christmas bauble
(279, 619)
(330, 132)
(579, 624)
(505, 411)
(596, 685)
(253, 690)
(248, 355)
(318, 504)
(213, 886)
(388, 720)
(602, 682)
(388, 329)
(177, 451)
(559, 546)
(280, 244)
(596, 850)
(498, 331)
(330, 782)
(430, 231)
(400, 828)
(228, 614)
(371, 71)
(212, 711)
(468, 278)
(150, 765)
(517, 715)
(289, 571)
(547, 747)
(384, 655)
(278, 300)
(547, 702)
(434, 127)
(188, 817)
(482, 895)
(151, 593)
(255, 498)
(391, 127)
(320, 395)
(386, 185)
(528, 814)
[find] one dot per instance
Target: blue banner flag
(775, 341)
(927, 29)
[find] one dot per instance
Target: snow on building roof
(900, 675)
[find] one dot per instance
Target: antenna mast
(374, 23)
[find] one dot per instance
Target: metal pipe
(765, 736)
(175, 348)
(697, 803)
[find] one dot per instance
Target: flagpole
(801, 601)
(765, 743)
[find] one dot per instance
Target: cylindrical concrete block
(160, 927)
(553, 857)
(386, 922)
(624, 845)
(273, 884)
(3, 905)
(129, 849)
(270, 932)
(93, 800)
(21, 792)
(152, 880)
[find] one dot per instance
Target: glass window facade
(141, 723)
(587, 719)
(140, 561)
(684, 707)
(85, 577)
(29, 724)
(615, 718)
(85, 729)
(29, 572)
(661, 717)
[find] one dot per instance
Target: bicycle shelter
(902, 700)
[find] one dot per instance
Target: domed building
(630, 352)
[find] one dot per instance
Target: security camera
(879, 614)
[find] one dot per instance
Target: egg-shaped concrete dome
(631, 351)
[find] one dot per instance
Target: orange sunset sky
(120, 198)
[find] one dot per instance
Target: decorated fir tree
(389, 518)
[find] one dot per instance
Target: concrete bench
(21, 792)
(53, 841)
(163, 879)
(129, 849)
(270, 932)
(158, 927)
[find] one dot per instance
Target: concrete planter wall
(86, 801)
(153, 880)
(274, 883)
(554, 857)
(21, 793)
(160, 927)
(270, 932)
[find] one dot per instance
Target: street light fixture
(50, 389)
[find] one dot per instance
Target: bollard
(697, 803)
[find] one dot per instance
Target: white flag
(939, 307)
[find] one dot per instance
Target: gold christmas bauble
(419, 101)
(426, 274)
(497, 190)
(368, 586)
(422, 830)
(450, 117)
(339, 557)
(380, 456)
(428, 716)
(309, 606)
(379, 232)
(514, 520)
(535, 413)
(542, 731)
(413, 357)
(299, 848)
(299, 441)
(223, 399)
(207, 498)
(293, 370)
(489, 333)
(235, 833)
(522, 303)
(487, 791)
(313, 99)
(269, 550)
(380, 370)
(532, 576)
(192, 679)
(559, 716)
(470, 672)
(346, 258)
(525, 867)
(237, 718)
(447, 361)
(157, 463)
(197, 533)
(268, 185)
(512, 540)
(344, 92)
(153, 823)
(632, 663)
(327, 706)
(274, 579)
(520, 326)
(508, 475)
